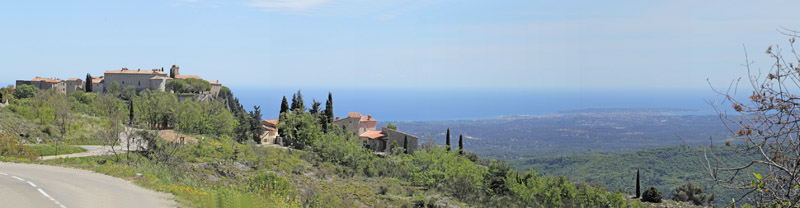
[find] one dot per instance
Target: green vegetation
(693, 193)
(651, 195)
(51, 149)
(25, 91)
(664, 168)
(324, 168)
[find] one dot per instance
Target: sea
(470, 104)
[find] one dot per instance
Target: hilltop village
(364, 127)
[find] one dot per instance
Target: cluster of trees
(190, 85)
(249, 125)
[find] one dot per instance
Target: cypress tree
(255, 124)
(294, 102)
(88, 85)
(314, 107)
(284, 106)
(130, 115)
(329, 108)
(300, 105)
(405, 143)
(460, 144)
(448, 140)
(638, 188)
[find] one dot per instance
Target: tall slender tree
(294, 102)
(88, 85)
(300, 105)
(448, 140)
(329, 108)
(460, 144)
(284, 106)
(638, 187)
(130, 115)
(405, 143)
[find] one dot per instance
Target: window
(140, 83)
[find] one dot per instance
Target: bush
(26, 91)
(691, 192)
(651, 195)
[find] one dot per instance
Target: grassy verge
(50, 149)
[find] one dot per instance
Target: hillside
(576, 132)
(665, 168)
(226, 168)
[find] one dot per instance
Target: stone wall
(139, 80)
(394, 135)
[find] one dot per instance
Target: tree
(391, 126)
(130, 115)
(88, 85)
(284, 106)
(329, 108)
(25, 91)
(691, 192)
(297, 102)
(448, 140)
(197, 85)
(177, 86)
(113, 88)
(405, 143)
(766, 124)
(651, 195)
(460, 144)
(314, 108)
(638, 188)
(255, 126)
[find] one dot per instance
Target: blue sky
(536, 45)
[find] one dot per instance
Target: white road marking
(1, 173)
(40, 191)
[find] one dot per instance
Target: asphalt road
(31, 185)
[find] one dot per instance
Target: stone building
(377, 140)
(98, 85)
(74, 84)
(271, 131)
(46, 84)
(155, 79)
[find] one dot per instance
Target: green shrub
(691, 192)
(651, 195)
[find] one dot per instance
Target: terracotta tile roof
(273, 122)
(39, 79)
(268, 129)
(158, 77)
(127, 71)
(97, 79)
(187, 76)
(353, 115)
(74, 80)
(214, 83)
(372, 134)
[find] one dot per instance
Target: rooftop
(372, 134)
(187, 77)
(126, 71)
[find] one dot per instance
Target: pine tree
(314, 107)
(448, 140)
(460, 144)
(294, 102)
(88, 84)
(405, 143)
(255, 124)
(638, 188)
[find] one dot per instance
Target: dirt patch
(172, 136)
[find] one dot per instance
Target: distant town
(154, 79)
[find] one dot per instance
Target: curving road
(31, 185)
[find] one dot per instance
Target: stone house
(45, 84)
(98, 85)
(377, 140)
(270, 135)
(155, 79)
(74, 84)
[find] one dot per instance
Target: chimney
(369, 117)
(140, 69)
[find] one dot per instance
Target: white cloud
(287, 5)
